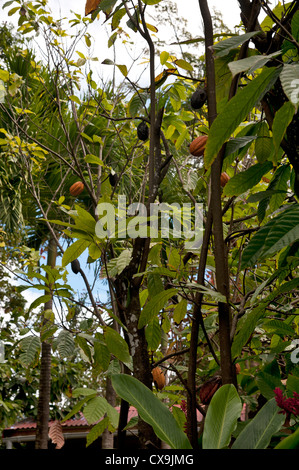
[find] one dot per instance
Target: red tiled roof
(29, 423)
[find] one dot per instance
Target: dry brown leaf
(91, 5)
(56, 434)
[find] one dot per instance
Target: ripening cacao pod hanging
(198, 98)
(75, 265)
(76, 188)
(198, 145)
(142, 131)
(224, 179)
(209, 388)
(158, 378)
(238, 368)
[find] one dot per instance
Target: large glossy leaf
(221, 419)
(151, 410)
(258, 432)
(277, 234)
(236, 110)
(290, 442)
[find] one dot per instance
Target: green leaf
(183, 64)
(295, 26)
(40, 300)
(245, 180)
(263, 143)
(221, 419)
(258, 432)
(153, 334)
(180, 311)
(155, 284)
(95, 409)
(280, 232)
(65, 343)
(83, 391)
(154, 306)
(136, 103)
(117, 345)
(30, 346)
(96, 431)
(93, 159)
(151, 2)
(101, 356)
(249, 321)
(164, 57)
(222, 48)
(283, 117)
(290, 442)
(85, 221)
(250, 64)
(151, 410)
(75, 99)
(236, 110)
(74, 251)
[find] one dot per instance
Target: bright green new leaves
(221, 419)
(236, 110)
(247, 179)
(258, 432)
(280, 232)
(151, 410)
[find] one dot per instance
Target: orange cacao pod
(158, 378)
(209, 388)
(238, 368)
(76, 188)
(198, 145)
(224, 179)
